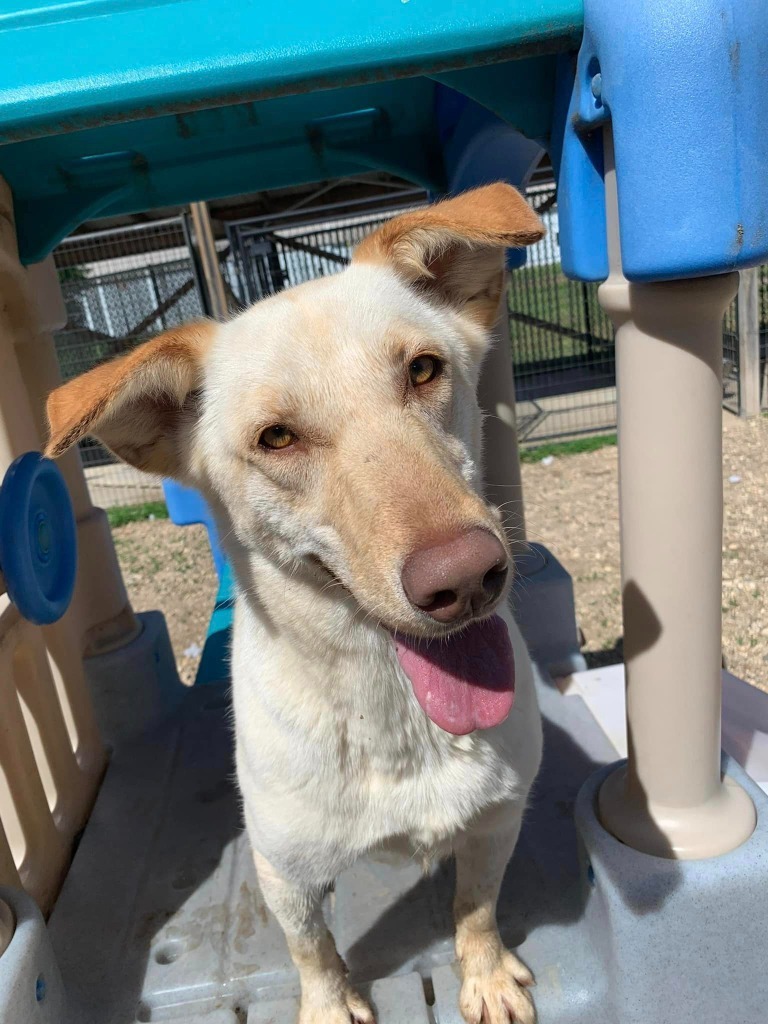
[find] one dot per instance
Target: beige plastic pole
(18, 433)
(100, 602)
(670, 800)
(7, 925)
(8, 873)
(209, 261)
(501, 455)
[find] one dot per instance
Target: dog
(383, 696)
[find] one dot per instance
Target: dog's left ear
(455, 248)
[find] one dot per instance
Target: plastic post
(669, 800)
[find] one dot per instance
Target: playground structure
(623, 906)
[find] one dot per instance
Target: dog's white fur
(335, 757)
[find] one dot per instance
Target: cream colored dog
(335, 431)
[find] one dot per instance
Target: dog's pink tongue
(464, 682)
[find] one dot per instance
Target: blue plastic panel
(480, 148)
(214, 665)
(61, 180)
(686, 89)
(577, 156)
(187, 506)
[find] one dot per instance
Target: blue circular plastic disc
(38, 539)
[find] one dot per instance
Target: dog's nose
(461, 576)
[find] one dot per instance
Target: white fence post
(749, 343)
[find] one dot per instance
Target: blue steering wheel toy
(38, 539)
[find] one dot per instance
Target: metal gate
(269, 259)
(561, 343)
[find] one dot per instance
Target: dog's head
(336, 425)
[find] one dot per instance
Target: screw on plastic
(596, 85)
(43, 537)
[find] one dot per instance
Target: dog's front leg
(495, 983)
(326, 995)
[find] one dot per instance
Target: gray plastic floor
(161, 916)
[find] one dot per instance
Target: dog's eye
(423, 369)
(277, 437)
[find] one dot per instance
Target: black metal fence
(561, 343)
(731, 357)
(267, 260)
(123, 286)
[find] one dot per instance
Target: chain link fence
(123, 286)
(120, 288)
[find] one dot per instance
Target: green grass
(561, 448)
(135, 513)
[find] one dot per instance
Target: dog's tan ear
(456, 247)
(141, 405)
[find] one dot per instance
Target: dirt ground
(170, 568)
(571, 505)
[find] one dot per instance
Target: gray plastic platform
(161, 917)
(544, 609)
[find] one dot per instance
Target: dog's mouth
(465, 681)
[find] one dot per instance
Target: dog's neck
(293, 625)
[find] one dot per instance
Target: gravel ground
(571, 506)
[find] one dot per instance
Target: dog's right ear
(141, 405)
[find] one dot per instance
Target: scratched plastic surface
(161, 915)
(76, 63)
(119, 107)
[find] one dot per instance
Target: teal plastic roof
(115, 106)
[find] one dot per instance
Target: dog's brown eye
(423, 369)
(277, 437)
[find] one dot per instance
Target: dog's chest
(420, 782)
(335, 760)
(384, 774)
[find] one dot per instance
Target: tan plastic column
(18, 433)
(209, 260)
(501, 456)
(100, 602)
(670, 800)
(8, 873)
(7, 926)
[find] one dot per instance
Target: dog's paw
(343, 1007)
(498, 994)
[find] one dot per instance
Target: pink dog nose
(459, 577)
